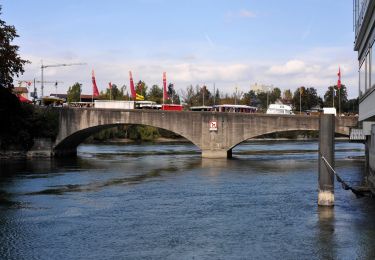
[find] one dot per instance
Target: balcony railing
(360, 8)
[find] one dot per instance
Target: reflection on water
(164, 201)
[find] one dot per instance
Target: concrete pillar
(326, 195)
(216, 154)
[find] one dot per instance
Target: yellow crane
(42, 67)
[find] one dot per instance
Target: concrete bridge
(215, 133)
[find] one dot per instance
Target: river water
(165, 202)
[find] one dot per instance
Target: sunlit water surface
(165, 202)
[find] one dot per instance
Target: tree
(343, 97)
(188, 96)
(155, 94)
(351, 106)
(204, 96)
(262, 98)
(10, 63)
(173, 97)
(74, 93)
(287, 97)
(217, 97)
(249, 98)
(307, 97)
(113, 94)
(274, 95)
(141, 88)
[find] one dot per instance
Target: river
(163, 201)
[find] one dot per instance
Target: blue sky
(286, 43)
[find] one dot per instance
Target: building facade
(364, 28)
(259, 88)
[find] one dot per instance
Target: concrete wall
(76, 124)
(42, 148)
(370, 159)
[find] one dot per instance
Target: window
(362, 78)
(372, 71)
(368, 69)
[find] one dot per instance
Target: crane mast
(42, 67)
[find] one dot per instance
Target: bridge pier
(326, 195)
(216, 154)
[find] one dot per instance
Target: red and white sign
(213, 125)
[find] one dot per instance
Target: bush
(21, 123)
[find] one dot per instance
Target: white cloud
(315, 68)
(246, 13)
(243, 13)
(290, 67)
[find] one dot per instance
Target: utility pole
(300, 100)
(42, 67)
(339, 101)
(214, 95)
(203, 93)
(235, 95)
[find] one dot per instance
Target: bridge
(215, 133)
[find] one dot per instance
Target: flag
(139, 97)
(301, 90)
(110, 85)
(95, 91)
(339, 79)
(165, 94)
(132, 89)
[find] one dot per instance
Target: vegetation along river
(163, 201)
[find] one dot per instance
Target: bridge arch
(76, 125)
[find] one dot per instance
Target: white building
(258, 88)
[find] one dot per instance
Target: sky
(227, 43)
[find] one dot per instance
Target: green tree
(156, 94)
(287, 97)
(308, 97)
(173, 97)
(263, 97)
(351, 106)
(141, 88)
(204, 96)
(10, 62)
(250, 99)
(74, 93)
(216, 97)
(275, 95)
(329, 94)
(113, 94)
(189, 96)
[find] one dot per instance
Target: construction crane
(29, 82)
(42, 67)
(50, 82)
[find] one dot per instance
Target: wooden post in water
(326, 195)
